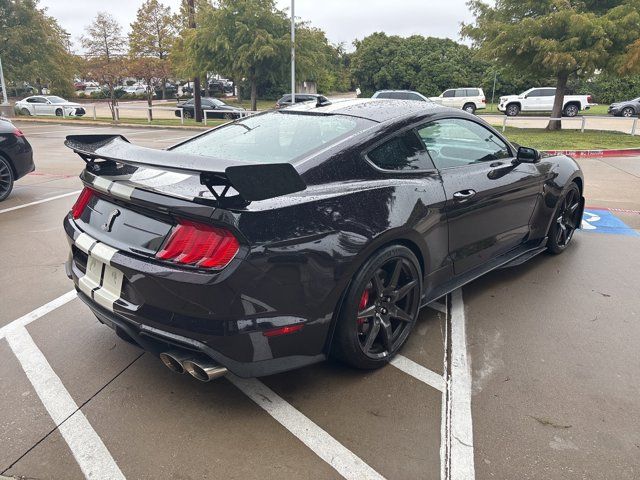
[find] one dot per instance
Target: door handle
(464, 194)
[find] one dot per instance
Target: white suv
(468, 99)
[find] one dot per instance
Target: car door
(460, 98)
(448, 98)
(532, 100)
(489, 199)
(546, 99)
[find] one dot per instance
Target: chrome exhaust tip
(205, 370)
(174, 360)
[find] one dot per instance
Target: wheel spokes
(395, 276)
(370, 311)
(400, 314)
(387, 334)
(403, 291)
(371, 336)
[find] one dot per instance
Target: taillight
(192, 243)
(484, 100)
(81, 202)
(18, 133)
(588, 98)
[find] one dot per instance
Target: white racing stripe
(37, 313)
(345, 462)
(460, 434)
(11, 209)
(87, 447)
(419, 372)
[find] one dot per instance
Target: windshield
(273, 137)
(56, 100)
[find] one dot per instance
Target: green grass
(493, 109)
(571, 139)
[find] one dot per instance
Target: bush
(607, 88)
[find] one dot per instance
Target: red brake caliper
(362, 305)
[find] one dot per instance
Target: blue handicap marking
(603, 221)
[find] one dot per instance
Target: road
(544, 384)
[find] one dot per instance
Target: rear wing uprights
(253, 182)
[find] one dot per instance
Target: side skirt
(515, 257)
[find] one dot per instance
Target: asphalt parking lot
(531, 372)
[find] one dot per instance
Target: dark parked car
(290, 236)
(285, 100)
(215, 109)
(629, 108)
(16, 156)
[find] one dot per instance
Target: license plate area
(101, 282)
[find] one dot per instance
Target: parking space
(530, 372)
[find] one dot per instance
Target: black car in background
(16, 156)
(285, 100)
(283, 238)
(215, 109)
(629, 108)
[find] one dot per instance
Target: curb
(110, 124)
(621, 152)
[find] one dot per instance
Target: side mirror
(527, 155)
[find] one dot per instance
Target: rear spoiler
(253, 182)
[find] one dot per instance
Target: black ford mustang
(283, 238)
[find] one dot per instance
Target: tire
(512, 110)
(6, 178)
(627, 112)
(379, 309)
(565, 220)
(228, 116)
(571, 110)
(25, 111)
(58, 112)
(188, 114)
(469, 108)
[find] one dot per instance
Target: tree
(558, 38)
(426, 64)
(153, 71)
(105, 46)
(33, 47)
(152, 36)
(245, 38)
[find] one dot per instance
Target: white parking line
(345, 462)
(11, 209)
(37, 313)
(419, 372)
(87, 447)
(459, 426)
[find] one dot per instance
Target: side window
(534, 93)
(548, 92)
(413, 96)
(461, 92)
(473, 92)
(32, 100)
(449, 94)
(403, 152)
(456, 142)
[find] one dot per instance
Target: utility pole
(197, 101)
(5, 101)
(293, 53)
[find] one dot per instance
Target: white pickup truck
(541, 100)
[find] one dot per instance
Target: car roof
(377, 110)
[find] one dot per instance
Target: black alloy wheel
(565, 221)
(6, 178)
(188, 114)
(628, 112)
(380, 309)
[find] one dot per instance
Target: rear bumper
(21, 156)
(222, 315)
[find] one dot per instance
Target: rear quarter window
(404, 152)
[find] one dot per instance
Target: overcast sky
(342, 20)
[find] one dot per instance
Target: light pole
(5, 101)
(293, 53)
